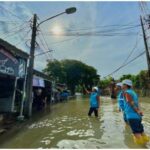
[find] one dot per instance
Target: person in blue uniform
(133, 113)
(120, 100)
(94, 102)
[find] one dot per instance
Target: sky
(111, 32)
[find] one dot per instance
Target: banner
(8, 63)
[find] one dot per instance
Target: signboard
(38, 82)
(8, 63)
(22, 68)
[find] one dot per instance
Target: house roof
(41, 74)
(13, 49)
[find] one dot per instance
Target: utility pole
(146, 47)
(29, 97)
(31, 66)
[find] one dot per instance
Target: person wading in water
(94, 101)
(133, 113)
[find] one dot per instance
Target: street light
(70, 10)
(31, 58)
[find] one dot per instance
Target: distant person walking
(112, 89)
(133, 113)
(94, 101)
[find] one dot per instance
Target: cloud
(104, 53)
(14, 15)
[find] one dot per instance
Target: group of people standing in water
(128, 104)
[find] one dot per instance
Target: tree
(55, 71)
(73, 73)
(105, 83)
(139, 81)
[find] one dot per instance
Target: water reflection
(128, 139)
(68, 126)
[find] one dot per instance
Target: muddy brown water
(68, 126)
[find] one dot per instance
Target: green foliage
(55, 71)
(77, 74)
(140, 81)
(72, 72)
(79, 89)
(105, 83)
(128, 76)
(143, 79)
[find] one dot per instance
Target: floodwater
(68, 126)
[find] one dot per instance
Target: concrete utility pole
(29, 97)
(146, 47)
(30, 69)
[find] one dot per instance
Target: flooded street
(68, 126)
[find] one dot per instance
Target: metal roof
(13, 49)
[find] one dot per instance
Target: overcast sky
(104, 51)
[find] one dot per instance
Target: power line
(144, 7)
(14, 29)
(109, 32)
(107, 28)
(96, 34)
(102, 32)
(136, 43)
(142, 53)
(14, 14)
(125, 64)
(45, 45)
(70, 39)
(22, 40)
(43, 49)
(43, 53)
(15, 32)
(104, 26)
(9, 22)
(44, 41)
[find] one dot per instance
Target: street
(68, 126)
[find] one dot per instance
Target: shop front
(13, 64)
(41, 90)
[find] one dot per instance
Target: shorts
(93, 109)
(136, 125)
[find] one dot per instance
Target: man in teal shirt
(94, 101)
(133, 113)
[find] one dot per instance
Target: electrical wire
(44, 41)
(22, 40)
(111, 32)
(103, 26)
(135, 46)
(70, 39)
(15, 29)
(42, 44)
(97, 34)
(125, 64)
(43, 53)
(45, 44)
(14, 33)
(9, 22)
(116, 29)
(13, 14)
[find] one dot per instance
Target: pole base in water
(20, 118)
